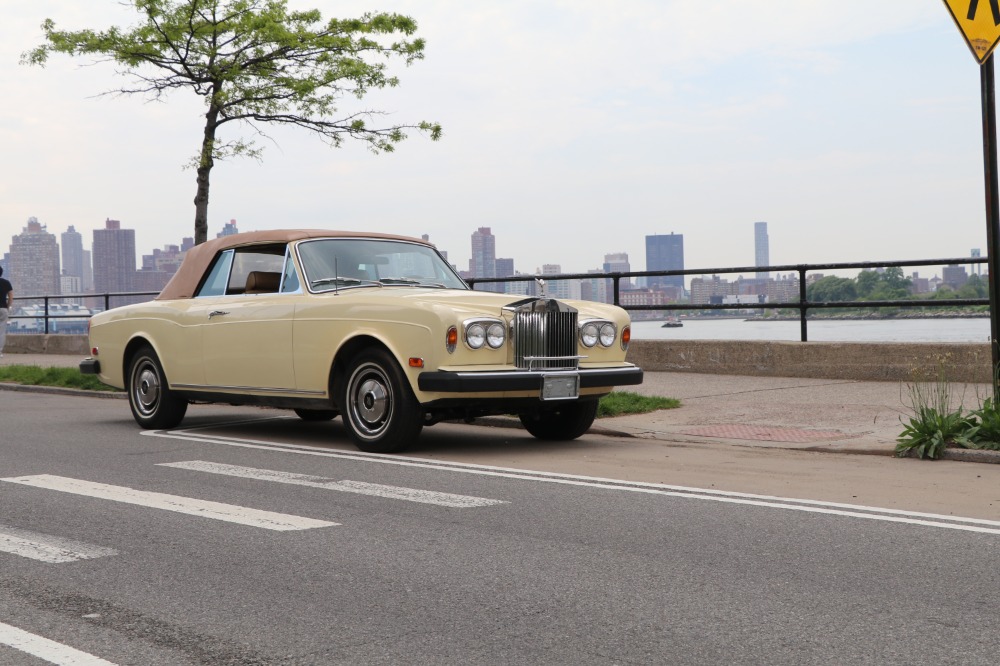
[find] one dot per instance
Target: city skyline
(34, 260)
(834, 120)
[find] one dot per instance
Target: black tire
(154, 405)
(380, 412)
(563, 423)
(316, 414)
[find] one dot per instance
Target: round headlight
(608, 335)
(495, 335)
(475, 336)
(588, 335)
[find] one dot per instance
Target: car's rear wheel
(154, 405)
(565, 422)
(379, 409)
(316, 414)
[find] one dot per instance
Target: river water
(879, 330)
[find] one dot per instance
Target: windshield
(338, 263)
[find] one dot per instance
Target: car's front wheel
(379, 409)
(153, 404)
(563, 423)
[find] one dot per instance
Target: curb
(59, 390)
(511, 422)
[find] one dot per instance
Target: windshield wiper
(338, 280)
(398, 280)
(415, 283)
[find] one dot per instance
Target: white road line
(47, 548)
(358, 487)
(47, 650)
(805, 505)
(194, 507)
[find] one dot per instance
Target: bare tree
(253, 62)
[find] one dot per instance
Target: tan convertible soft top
(197, 260)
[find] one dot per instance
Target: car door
(247, 335)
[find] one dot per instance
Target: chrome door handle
(213, 313)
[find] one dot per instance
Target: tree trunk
(205, 164)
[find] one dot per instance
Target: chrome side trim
(255, 389)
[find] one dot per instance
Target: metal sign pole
(988, 90)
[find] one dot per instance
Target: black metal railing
(803, 305)
(48, 316)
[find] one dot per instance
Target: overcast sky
(572, 128)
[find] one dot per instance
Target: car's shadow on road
(445, 439)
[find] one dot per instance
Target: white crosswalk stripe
(47, 650)
(195, 507)
(48, 548)
(358, 487)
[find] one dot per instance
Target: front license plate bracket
(560, 387)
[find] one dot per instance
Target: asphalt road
(251, 538)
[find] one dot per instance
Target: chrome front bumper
(523, 380)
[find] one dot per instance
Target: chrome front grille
(545, 335)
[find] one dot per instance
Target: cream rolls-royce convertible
(378, 329)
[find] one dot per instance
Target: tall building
(158, 268)
(596, 289)
(615, 263)
(71, 242)
(88, 273)
(504, 268)
(761, 250)
(559, 288)
(954, 276)
(482, 264)
(228, 230)
(167, 260)
(71, 284)
(114, 258)
(34, 261)
(665, 253)
(976, 269)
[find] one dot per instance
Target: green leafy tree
(975, 287)
(254, 62)
(895, 281)
(831, 289)
(888, 285)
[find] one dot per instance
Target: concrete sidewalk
(844, 416)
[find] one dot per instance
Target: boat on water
(673, 322)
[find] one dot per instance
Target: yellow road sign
(979, 21)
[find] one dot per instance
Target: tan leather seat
(262, 282)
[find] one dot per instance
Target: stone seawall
(871, 361)
(46, 344)
(875, 361)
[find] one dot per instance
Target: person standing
(6, 302)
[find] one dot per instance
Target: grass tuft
(33, 375)
(619, 403)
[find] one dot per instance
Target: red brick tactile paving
(766, 433)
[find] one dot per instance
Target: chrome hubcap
(370, 401)
(374, 401)
(146, 388)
